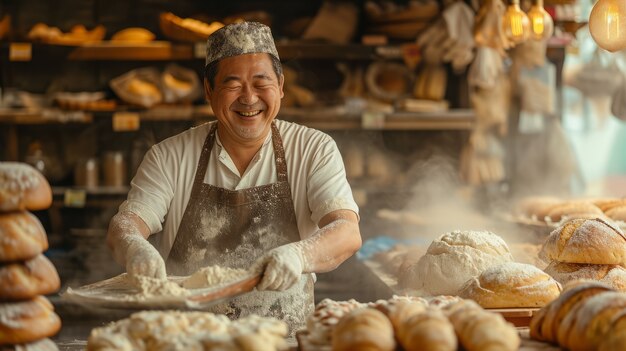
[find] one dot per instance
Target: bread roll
(544, 325)
(21, 236)
(617, 213)
(25, 280)
(613, 275)
(454, 258)
(325, 317)
(574, 209)
(133, 35)
(39, 345)
(512, 284)
(22, 187)
(589, 325)
(428, 330)
(364, 329)
(478, 329)
(27, 321)
(586, 241)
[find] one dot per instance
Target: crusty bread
(22, 187)
(21, 236)
(574, 209)
(613, 275)
(401, 311)
(544, 325)
(585, 329)
(363, 329)
(39, 345)
(478, 329)
(616, 337)
(617, 213)
(454, 258)
(27, 321)
(429, 330)
(586, 241)
(511, 284)
(536, 207)
(25, 280)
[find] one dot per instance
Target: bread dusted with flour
(574, 209)
(511, 285)
(22, 187)
(27, 321)
(25, 280)
(612, 275)
(586, 241)
(21, 236)
(479, 330)
(454, 258)
(365, 329)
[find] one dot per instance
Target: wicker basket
(177, 28)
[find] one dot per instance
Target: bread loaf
(363, 329)
(454, 258)
(27, 321)
(613, 275)
(325, 317)
(589, 325)
(617, 213)
(607, 204)
(25, 280)
(478, 329)
(426, 330)
(574, 209)
(21, 236)
(22, 187)
(586, 241)
(616, 337)
(537, 207)
(134, 35)
(544, 325)
(511, 284)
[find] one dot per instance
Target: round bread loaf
(39, 345)
(27, 321)
(22, 236)
(511, 284)
(613, 275)
(22, 187)
(585, 329)
(454, 258)
(574, 209)
(364, 329)
(586, 241)
(25, 280)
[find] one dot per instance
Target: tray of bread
(204, 288)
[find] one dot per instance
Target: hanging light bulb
(541, 23)
(607, 24)
(516, 24)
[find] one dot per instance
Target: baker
(247, 190)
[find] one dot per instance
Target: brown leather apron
(232, 228)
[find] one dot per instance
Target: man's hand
(143, 259)
(283, 267)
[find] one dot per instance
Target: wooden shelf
(98, 191)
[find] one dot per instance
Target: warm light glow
(541, 23)
(607, 24)
(516, 24)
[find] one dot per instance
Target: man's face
(246, 97)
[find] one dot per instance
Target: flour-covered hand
(142, 258)
(283, 267)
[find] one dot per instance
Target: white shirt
(161, 188)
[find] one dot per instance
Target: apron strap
(279, 155)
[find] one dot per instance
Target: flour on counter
(212, 276)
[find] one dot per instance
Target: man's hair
(210, 71)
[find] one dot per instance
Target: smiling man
(247, 191)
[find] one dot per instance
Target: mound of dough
(454, 258)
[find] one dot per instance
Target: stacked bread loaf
(588, 315)
(26, 317)
(405, 323)
(587, 249)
